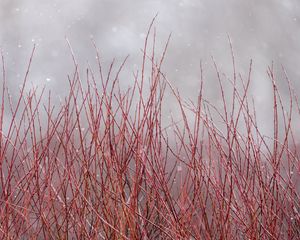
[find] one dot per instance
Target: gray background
(262, 30)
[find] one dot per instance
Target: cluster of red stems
(101, 164)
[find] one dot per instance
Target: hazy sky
(261, 30)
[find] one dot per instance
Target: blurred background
(261, 30)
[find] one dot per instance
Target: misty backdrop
(261, 30)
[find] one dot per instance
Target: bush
(101, 164)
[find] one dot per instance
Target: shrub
(102, 164)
